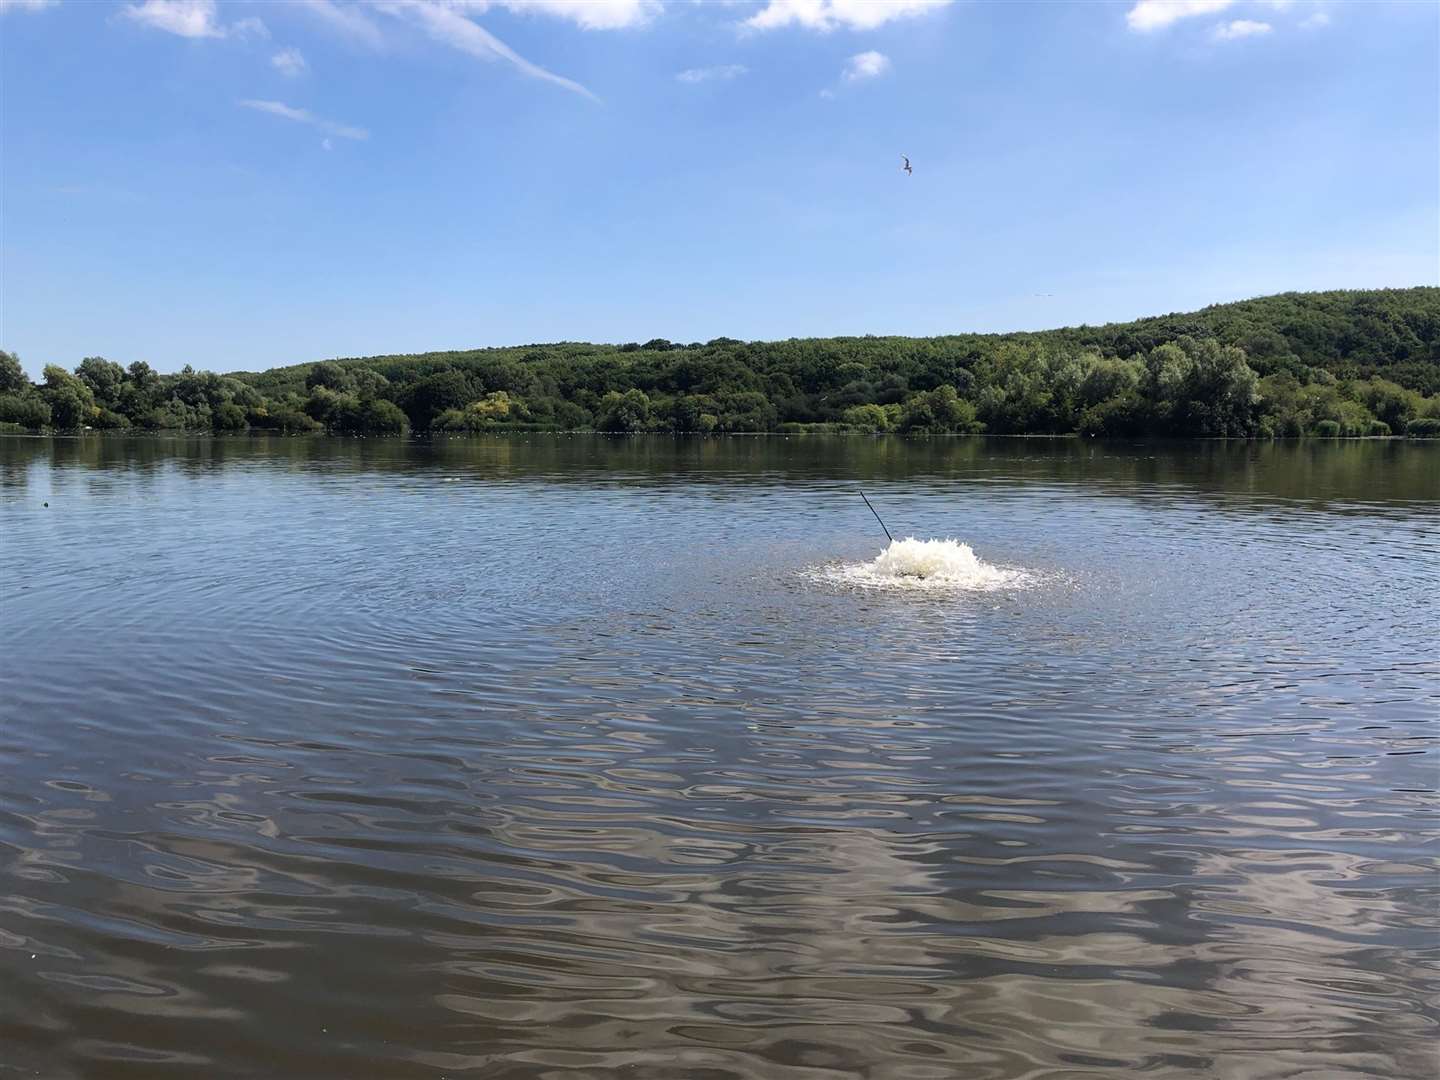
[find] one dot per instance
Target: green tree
(746, 410)
(686, 411)
(938, 411)
(1166, 369)
(373, 416)
(12, 375)
(67, 408)
(70, 400)
(369, 383)
(103, 377)
(141, 374)
(330, 375)
(1108, 379)
(1220, 392)
(627, 412)
(1357, 359)
(1285, 404)
(868, 418)
(229, 417)
(1392, 404)
(494, 409)
(430, 396)
(323, 403)
(27, 410)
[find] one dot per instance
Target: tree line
(1343, 363)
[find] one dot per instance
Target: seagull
(908, 171)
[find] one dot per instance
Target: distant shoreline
(1323, 365)
(502, 433)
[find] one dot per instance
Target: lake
(570, 758)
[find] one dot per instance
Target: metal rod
(878, 518)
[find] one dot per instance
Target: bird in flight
(908, 171)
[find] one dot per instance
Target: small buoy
(45, 504)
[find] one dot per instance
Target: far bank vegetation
(1331, 364)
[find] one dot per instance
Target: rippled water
(564, 758)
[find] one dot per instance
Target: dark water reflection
(542, 757)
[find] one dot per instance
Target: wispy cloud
(1150, 15)
(827, 15)
(351, 20)
(191, 19)
(588, 14)
(450, 22)
(305, 116)
(1240, 28)
(289, 62)
(26, 5)
(346, 20)
(866, 65)
(251, 27)
(1316, 21)
(448, 25)
(711, 74)
(187, 18)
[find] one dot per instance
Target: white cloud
(1240, 28)
(352, 22)
(1316, 21)
(188, 18)
(305, 116)
(251, 27)
(709, 74)
(1150, 15)
(449, 22)
(327, 144)
(191, 19)
(866, 65)
(26, 5)
(289, 62)
(347, 21)
(446, 24)
(827, 15)
(588, 14)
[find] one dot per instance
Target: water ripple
(556, 759)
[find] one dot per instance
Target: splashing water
(915, 564)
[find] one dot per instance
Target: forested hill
(1330, 363)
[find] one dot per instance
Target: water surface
(571, 758)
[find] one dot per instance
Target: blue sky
(241, 185)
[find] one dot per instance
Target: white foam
(926, 564)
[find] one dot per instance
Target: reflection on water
(544, 757)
